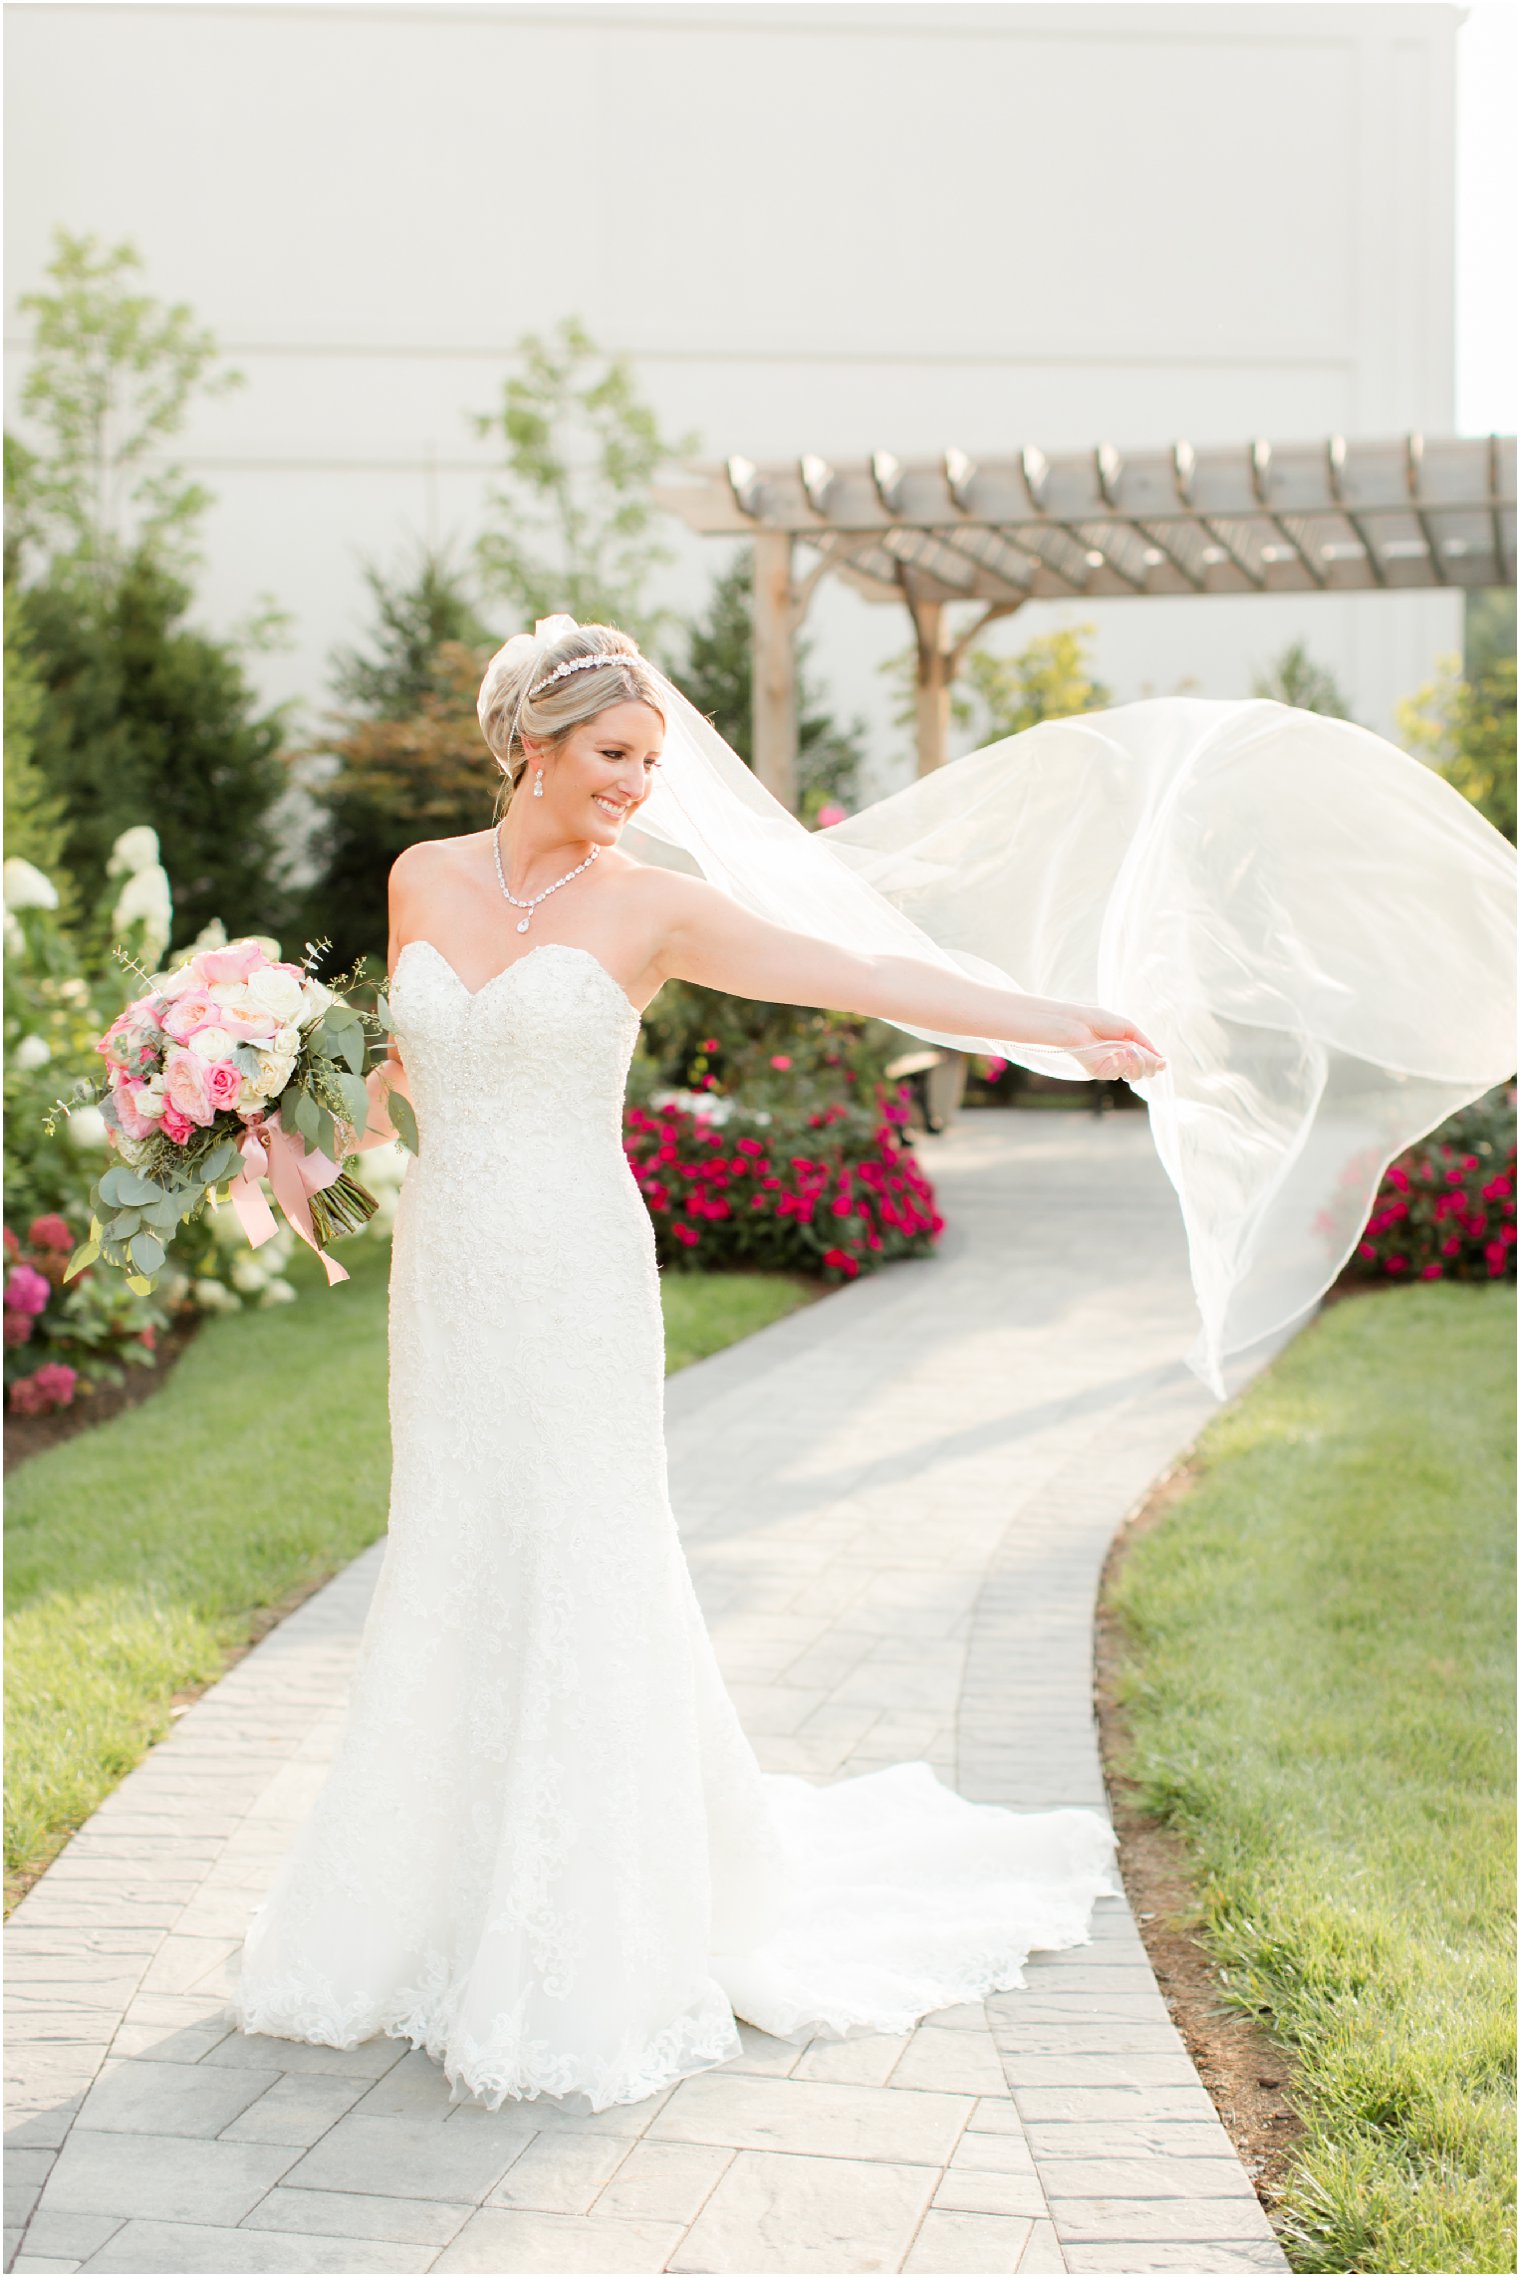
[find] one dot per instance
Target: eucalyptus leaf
(403, 1120)
(85, 1254)
(141, 1283)
(147, 1252)
(124, 1223)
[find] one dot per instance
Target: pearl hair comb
(580, 664)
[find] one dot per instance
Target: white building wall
(813, 227)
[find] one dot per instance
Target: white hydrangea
(86, 1129)
(277, 1292)
(32, 1052)
(249, 1274)
(146, 899)
(135, 849)
(212, 1296)
(27, 887)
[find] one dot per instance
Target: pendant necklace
(524, 922)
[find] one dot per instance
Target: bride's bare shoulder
(430, 858)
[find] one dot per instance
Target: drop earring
(538, 784)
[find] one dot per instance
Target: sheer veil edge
(1317, 930)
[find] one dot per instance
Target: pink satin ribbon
(296, 1172)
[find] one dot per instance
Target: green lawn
(140, 1554)
(1319, 1676)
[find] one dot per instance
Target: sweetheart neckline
(420, 941)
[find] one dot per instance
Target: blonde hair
(508, 710)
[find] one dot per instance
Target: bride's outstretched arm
(712, 940)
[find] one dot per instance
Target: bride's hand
(1117, 1051)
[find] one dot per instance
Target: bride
(545, 1851)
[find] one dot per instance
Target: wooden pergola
(1328, 516)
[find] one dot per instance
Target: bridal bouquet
(235, 1066)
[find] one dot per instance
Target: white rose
(277, 992)
(26, 887)
(32, 1051)
(151, 1099)
(213, 1043)
(275, 1069)
(317, 998)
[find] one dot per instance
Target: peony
(125, 1096)
(193, 1007)
(185, 1086)
(238, 961)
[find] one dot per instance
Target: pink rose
(175, 1126)
(196, 1008)
(186, 1085)
(235, 962)
(224, 1080)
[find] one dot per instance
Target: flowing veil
(1316, 930)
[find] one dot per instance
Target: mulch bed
(28, 1435)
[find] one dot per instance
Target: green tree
(1050, 677)
(36, 825)
(577, 522)
(719, 677)
(418, 609)
(110, 376)
(1488, 631)
(140, 719)
(409, 758)
(146, 719)
(1294, 678)
(1465, 729)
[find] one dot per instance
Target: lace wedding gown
(545, 1851)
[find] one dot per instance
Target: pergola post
(932, 694)
(774, 691)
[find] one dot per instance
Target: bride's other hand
(1118, 1051)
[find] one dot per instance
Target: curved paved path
(896, 1506)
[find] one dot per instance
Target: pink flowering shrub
(835, 1192)
(1446, 1207)
(61, 1338)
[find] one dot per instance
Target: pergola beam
(1389, 514)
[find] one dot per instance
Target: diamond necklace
(524, 922)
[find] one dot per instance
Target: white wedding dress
(545, 1851)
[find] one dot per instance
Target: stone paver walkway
(896, 1506)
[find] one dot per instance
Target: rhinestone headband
(578, 664)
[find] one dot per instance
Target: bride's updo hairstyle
(514, 700)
